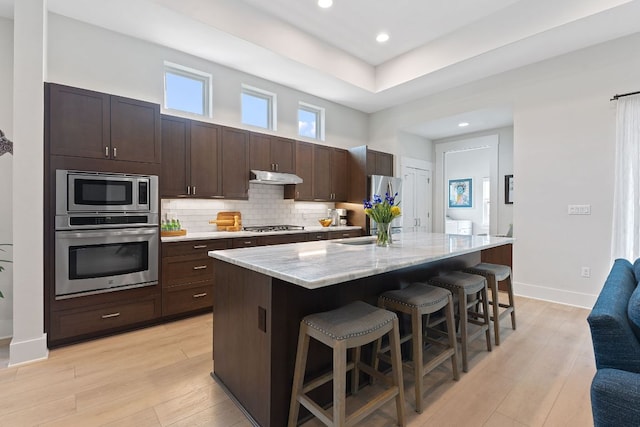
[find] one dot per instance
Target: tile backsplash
(266, 206)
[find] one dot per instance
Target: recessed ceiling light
(325, 3)
(463, 124)
(382, 37)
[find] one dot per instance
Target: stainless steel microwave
(78, 191)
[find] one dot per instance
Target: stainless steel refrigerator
(380, 185)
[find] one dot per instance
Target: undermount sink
(357, 241)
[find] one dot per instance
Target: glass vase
(383, 238)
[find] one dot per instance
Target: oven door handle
(110, 233)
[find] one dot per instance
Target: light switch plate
(579, 210)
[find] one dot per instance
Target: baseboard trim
(576, 299)
(21, 352)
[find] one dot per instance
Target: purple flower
(367, 204)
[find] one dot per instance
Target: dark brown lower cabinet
(187, 275)
(85, 322)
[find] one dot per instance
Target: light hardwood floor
(159, 376)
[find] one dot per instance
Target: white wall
(94, 58)
(6, 177)
(564, 133)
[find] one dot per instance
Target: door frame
(490, 142)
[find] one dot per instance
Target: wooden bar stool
(470, 290)
(495, 273)
(418, 300)
(350, 326)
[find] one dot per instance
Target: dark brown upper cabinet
(235, 163)
(304, 169)
(84, 123)
(329, 173)
(191, 158)
(364, 162)
(271, 153)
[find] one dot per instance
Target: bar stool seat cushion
(417, 295)
(500, 271)
(454, 280)
(352, 320)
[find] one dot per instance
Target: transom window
(258, 107)
(310, 121)
(187, 90)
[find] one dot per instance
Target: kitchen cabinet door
(174, 179)
(78, 121)
(270, 153)
(339, 165)
(322, 173)
(135, 130)
(379, 163)
(205, 158)
(283, 155)
(260, 152)
(90, 124)
(304, 169)
(235, 163)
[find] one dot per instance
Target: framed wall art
(460, 193)
(508, 189)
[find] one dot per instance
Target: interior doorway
(469, 167)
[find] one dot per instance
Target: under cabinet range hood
(274, 178)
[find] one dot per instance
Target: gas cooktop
(262, 228)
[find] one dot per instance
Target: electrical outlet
(585, 272)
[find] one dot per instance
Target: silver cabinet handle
(106, 151)
(345, 234)
(199, 267)
(194, 190)
(188, 190)
(204, 294)
(248, 242)
(109, 316)
(115, 152)
(199, 246)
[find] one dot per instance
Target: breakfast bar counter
(262, 293)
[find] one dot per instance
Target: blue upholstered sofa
(615, 332)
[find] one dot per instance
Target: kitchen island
(262, 293)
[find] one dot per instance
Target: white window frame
(320, 119)
(206, 78)
(272, 105)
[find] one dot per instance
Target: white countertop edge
(343, 276)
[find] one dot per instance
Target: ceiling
(331, 53)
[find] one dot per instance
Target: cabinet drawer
(245, 242)
(281, 239)
(320, 235)
(344, 234)
(183, 299)
(73, 323)
(179, 271)
(194, 247)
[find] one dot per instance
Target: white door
(416, 199)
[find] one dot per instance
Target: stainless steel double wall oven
(107, 233)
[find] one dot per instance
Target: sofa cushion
(633, 311)
(615, 345)
(636, 269)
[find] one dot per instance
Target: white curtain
(625, 242)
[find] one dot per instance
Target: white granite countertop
(323, 263)
(232, 234)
